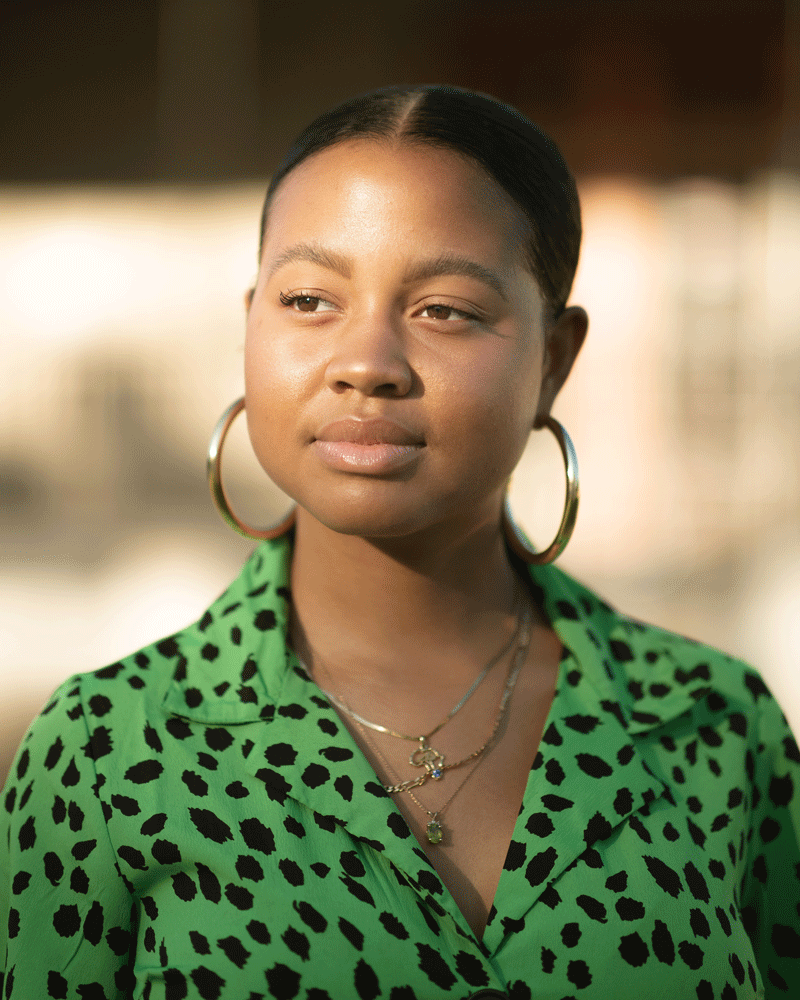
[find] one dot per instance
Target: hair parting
(520, 157)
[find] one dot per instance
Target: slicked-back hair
(517, 154)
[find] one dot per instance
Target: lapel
(234, 668)
(318, 764)
(619, 682)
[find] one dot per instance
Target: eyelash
(288, 299)
(462, 313)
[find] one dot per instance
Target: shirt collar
(644, 675)
(233, 664)
(234, 667)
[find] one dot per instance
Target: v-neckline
(566, 663)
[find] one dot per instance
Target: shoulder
(653, 674)
(87, 718)
(90, 714)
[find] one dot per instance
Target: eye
(305, 303)
(441, 311)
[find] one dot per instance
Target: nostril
(383, 389)
(383, 376)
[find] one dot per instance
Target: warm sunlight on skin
(393, 286)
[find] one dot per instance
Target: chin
(365, 513)
(365, 523)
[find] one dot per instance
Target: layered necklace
(426, 757)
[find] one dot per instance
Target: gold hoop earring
(515, 537)
(214, 471)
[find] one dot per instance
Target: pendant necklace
(426, 756)
(434, 830)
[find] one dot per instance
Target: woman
(403, 756)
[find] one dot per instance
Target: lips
(367, 447)
(368, 432)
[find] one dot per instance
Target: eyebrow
(312, 254)
(452, 263)
(445, 263)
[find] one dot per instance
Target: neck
(392, 606)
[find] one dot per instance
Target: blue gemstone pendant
(430, 759)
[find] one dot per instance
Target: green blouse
(194, 821)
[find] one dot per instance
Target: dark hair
(520, 157)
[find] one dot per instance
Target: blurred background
(136, 142)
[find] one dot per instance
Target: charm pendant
(428, 758)
(434, 832)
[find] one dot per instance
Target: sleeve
(66, 921)
(771, 884)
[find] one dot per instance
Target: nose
(370, 358)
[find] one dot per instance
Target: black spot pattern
(201, 802)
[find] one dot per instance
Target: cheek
(272, 364)
(505, 386)
(273, 389)
(488, 418)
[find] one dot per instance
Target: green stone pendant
(435, 833)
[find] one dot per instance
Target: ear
(248, 298)
(563, 341)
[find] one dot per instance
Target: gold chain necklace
(435, 830)
(425, 755)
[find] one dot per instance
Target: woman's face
(396, 352)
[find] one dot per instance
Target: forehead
(368, 193)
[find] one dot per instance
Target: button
(488, 995)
